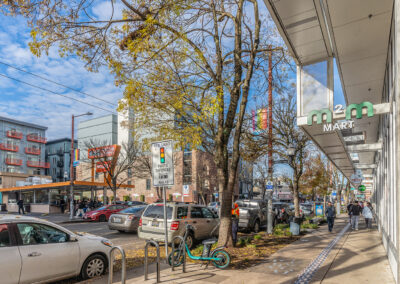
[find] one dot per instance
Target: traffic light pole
(165, 222)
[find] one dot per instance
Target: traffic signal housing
(162, 155)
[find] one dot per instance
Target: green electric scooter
(218, 257)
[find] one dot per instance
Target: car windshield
(102, 208)
(132, 210)
(157, 211)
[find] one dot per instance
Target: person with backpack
(330, 214)
(355, 215)
(367, 213)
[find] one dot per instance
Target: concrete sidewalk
(357, 256)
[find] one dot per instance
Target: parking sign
(162, 163)
(270, 185)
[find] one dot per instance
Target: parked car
(306, 208)
(203, 220)
(102, 214)
(214, 206)
(37, 251)
(126, 220)
(135, 203)
(252, 214)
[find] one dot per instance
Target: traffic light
(162, 155)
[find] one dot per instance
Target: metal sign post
(163, 175)
(270, 188)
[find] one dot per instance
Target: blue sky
(29, 104)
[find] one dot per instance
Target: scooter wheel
(225, 259)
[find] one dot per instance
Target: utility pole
(71, 173)
(270, 161)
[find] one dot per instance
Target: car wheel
(102, 218)
(121, 231)
(94, 266)
(190, 240)
(256, 227)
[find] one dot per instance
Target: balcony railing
(32, 151)
(9, 147)
(14, 134)
(36, 138)
(38, 164)
(14, 162)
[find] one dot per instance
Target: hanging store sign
(348, 123)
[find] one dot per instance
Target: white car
(33, 250)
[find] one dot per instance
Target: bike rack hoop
(111, 264)
(183, 249)
(146, 261)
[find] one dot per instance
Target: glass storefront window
(42, 196)
(27, 197)
(316, 90)
(54, 196)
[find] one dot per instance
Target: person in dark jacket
(330, 214)
(62, 205)
(355, 215)
(349, 210)
(20, 204)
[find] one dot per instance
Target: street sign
(361, 188)
(319, 210)
(162, 163)
(186, 190)
(269, 186)
(356, 178)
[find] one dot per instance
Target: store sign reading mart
(348, 123)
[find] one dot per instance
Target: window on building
(148, 184)
(187, 167)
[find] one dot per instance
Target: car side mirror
(73, 239)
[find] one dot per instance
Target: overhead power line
(59, 84)
(55, 93)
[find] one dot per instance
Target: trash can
(27, 208)
(294, 228)
(3, 207)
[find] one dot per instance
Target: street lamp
(71, 166)
(290, 151)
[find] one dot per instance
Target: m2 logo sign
(326, 115)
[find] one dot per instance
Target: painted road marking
(305, 276)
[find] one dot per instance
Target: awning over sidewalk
(356, 33)
(78, 185)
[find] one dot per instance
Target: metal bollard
(146, 261)
(182, 249)
(111, 265)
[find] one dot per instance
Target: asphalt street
(126, 240)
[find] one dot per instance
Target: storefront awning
(77, 185)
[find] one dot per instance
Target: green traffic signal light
(162, 160)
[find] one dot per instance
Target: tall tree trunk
(296, 198)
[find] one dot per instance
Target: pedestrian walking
(20, 204)
(330, 214)
(81, 205)
(62, 205)
(367, 213)
(235, 222)
(355, 215)
(349, 210)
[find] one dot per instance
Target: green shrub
(241, 242)
(257, 237)
(251, 246)
(281, 226)
(288, 233)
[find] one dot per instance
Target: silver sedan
(126, 220)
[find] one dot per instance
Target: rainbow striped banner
(76, 157)
(260, 119)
